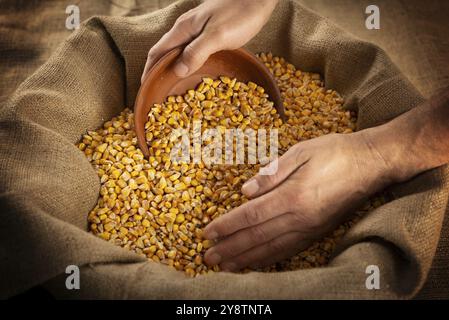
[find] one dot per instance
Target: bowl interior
(161, 82)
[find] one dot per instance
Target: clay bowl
(161, 82)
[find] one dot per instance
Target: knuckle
(270, 179)
(299, 153)
(151, 54)
(316, 221)
(189, 23)
(252, 216)
(240, 262)
(223, 250)
(191, 55)
(258, 235)
(276, 245)
(298, 219)
(309, 221)
(222, 227)
(182, 20)
(189, 52)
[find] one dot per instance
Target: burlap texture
(48, 187)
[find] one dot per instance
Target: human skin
(212, 26)
(319, 181)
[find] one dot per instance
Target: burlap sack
(48, 186)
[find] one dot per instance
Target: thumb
(195, 54)
(285, 166)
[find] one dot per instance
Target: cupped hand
(316, 184)
(212, 26)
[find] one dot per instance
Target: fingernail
(229, 266)
(181, 69)
(210, 235)
(213, 259)
(250, 187)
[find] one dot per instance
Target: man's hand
(318, 181)
(212, 26)
(316, 184)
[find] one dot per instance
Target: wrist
(395, 147)
(266, 6)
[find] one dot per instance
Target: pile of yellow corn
(158, 208)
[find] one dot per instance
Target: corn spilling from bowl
(158, 207)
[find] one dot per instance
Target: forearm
(416, 141)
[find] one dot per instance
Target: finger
(249, 214)
(186, 28)
(286, 165)
(169, 41)
(196, 53)
(268, 253)
(246, 239)
(287, 253)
